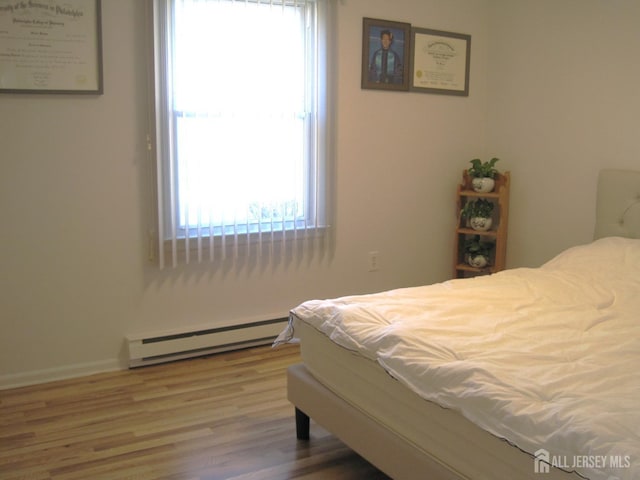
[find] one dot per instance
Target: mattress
(439, 432)
(546, 358)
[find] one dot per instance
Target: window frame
(317, 208)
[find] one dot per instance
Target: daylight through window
(240, 122)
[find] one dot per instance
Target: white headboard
(618, 204)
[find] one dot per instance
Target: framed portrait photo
(386, 47)
(440, 62)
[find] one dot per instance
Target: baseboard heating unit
(149, 349)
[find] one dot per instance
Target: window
(241, 122)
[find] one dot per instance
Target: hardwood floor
(219, 417)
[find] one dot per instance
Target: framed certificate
(440, 62)
(50, 46)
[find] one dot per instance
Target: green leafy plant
(480, 169)
(478, 208)
(474, 246)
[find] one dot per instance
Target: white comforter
(546, 358)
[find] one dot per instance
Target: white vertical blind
(241, 127)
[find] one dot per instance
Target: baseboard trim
(34, 377)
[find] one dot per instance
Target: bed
(528, 373)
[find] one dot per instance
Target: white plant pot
(480, 224)
(478, 261)
(483, 184)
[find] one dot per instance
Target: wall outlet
(373, 261)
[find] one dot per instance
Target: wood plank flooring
(221, 417)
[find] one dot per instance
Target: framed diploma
(440, 62)
(50, 46)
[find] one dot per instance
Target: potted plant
(479, 214)
(477, 252)
(483, 175)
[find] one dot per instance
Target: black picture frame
(51, 47)
(440, 62)
(385, 43)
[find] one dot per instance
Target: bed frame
(617, 214)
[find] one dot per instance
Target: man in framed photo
(386, 65)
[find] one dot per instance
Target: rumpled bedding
(545, 358)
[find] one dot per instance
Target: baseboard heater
(152, 349)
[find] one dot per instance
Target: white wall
(71, 206)
(398, 155)
(564, 103)
(75, 202)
